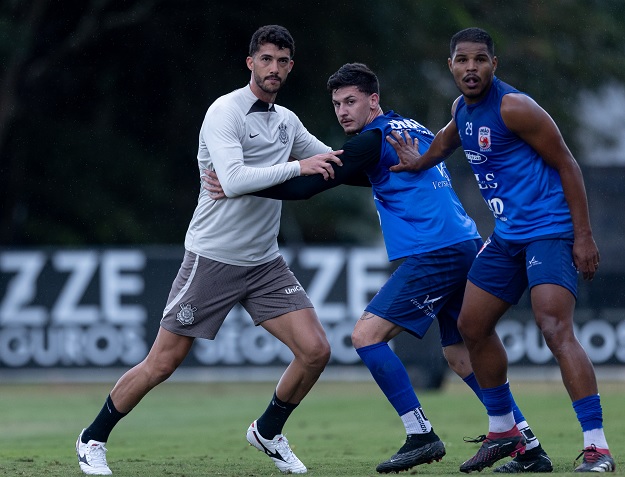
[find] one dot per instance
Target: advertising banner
(100, 307)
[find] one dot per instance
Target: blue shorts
(427, 286)
(506, 268)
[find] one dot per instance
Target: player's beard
(267, 88)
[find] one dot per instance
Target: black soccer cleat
(495, 446)
(535, 461)
(418, 449)
(595, 460)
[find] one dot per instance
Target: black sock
(103, 424)
(272, 421)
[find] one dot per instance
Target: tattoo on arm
(367, 316)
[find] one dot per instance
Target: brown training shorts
(205, 291)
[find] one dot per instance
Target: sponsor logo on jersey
(532, 262)
(483, 138)
(475, 157)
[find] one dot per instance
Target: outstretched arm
(446, 141)
(358, 153)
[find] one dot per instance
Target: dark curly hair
(274, 34)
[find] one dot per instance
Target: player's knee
(318, 356)
(556, 331)
(359, 340)
(467, 331)
(160, 369)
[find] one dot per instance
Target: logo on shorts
(533, 262)
(185, 315)
(487, 242)
(295, 289)
(427, 306)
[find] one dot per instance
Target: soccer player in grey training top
(231, 256)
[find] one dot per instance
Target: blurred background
(101, 102)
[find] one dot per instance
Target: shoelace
(591, 454)
(284, 448)
(97, 455)
(475, 440)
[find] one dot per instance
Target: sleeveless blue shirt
(419, 211)
(523, 192)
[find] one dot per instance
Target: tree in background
(101, 100)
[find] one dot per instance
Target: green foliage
(101, 101)
(341, 429)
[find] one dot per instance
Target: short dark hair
(473, 35)
(274, 34)
(354, 74)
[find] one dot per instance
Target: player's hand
(211, 183)
(586, 256)
(407, 150)
(321, 164)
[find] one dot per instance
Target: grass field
(341, 429)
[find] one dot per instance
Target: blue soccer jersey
(419, 211)
(523, 192)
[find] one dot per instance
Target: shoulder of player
(454, 106)
(518, 109)
(286, 112)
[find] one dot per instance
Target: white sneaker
(92, 457)
(278, 449)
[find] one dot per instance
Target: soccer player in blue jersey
(436, 239)
(542, 240)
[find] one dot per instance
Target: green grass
(341, 429)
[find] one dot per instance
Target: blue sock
(589, 412)
(518, 415)
(498, 400)
(391, 376)
(472, 383)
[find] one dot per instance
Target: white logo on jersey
(496, 206)
(533, 262)
(488, 182)
(475, 157)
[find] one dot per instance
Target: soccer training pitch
(341, 429)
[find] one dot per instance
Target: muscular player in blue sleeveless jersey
(542, 239)
(424, 223)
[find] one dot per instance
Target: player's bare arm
(530, 122)
(446, 141)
